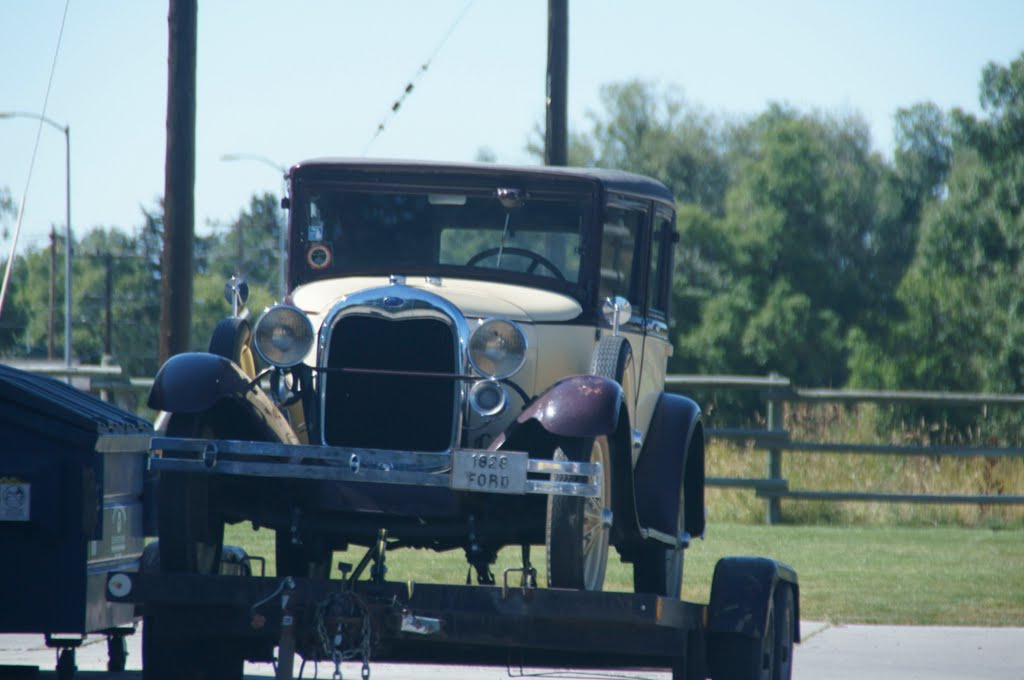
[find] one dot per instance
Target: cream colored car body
(557, 347)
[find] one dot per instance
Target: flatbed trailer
(202, 625)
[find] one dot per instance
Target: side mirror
(617, 311)
(236, 292)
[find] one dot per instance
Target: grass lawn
(922, 576)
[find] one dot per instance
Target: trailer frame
(230, 617)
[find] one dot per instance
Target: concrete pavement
(827, 653)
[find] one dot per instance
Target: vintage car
(469, 356)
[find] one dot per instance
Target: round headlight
(283, 336)
(497, 348)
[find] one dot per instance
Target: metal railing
(774, 439)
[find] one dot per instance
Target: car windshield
(339, 232)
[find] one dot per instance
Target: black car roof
(610, 180)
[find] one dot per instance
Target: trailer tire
(785, 612)
(735, 656)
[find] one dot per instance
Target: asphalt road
(827, 653)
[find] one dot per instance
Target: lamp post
(282, 239)
(66, 129)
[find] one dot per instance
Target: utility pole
(53, 291)
(555, 139)
(108, 344)
(179, 177)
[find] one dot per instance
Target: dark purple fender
(675, 439)
(194, 382)
(577, 406)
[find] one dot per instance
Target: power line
(412, 81)
(32, 162)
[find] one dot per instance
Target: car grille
(412, 413)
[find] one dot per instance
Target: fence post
(773, 504)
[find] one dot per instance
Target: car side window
(620, 244)
(659, 278)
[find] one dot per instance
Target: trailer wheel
(738, 657)
(785, 612)
(576, 536)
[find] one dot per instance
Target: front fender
(194, 381)
(577, 406)
(672, 454)
(202, 383)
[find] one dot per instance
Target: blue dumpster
(71, 508)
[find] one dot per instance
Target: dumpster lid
(59, 401)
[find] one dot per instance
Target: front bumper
(469, 470)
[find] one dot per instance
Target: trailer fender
(742, 589)
(577, 406)
(672, 454)
(203, 383)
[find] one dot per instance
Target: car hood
(476, 299)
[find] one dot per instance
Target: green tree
(220, 256)
(962, 319)
(801, 248)
(656, 132)
(249, 246)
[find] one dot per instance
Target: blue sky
(300, 79)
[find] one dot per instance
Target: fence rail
(777, 390)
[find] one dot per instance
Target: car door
(624, 232)
(654, 316)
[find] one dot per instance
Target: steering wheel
(535, 259)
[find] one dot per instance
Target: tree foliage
(131, 264)
(962, 313)
(802, 251)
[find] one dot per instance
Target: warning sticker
(15, 502)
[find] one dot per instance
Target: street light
(282, 239)
(66, 129)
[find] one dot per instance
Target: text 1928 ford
(468, 357)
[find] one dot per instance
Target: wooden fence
(774, 439)
(776, 391)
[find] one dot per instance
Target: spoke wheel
(658, 569)
(576, 536)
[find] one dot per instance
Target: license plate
(489, 472)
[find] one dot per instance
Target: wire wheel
(576, 534)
